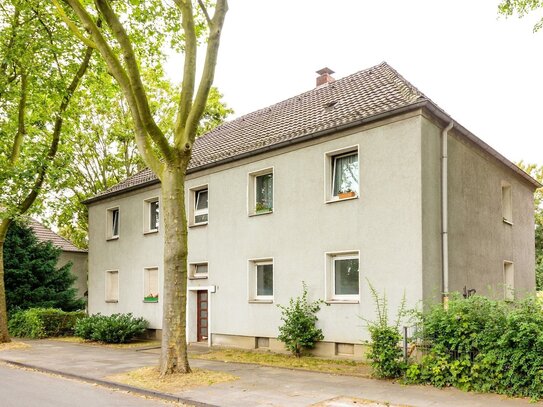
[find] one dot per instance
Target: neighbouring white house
(359, 180)
(69, 253)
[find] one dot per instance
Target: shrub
(299, 331)
(385, 352)
(38, 323)
(484, 345)
(117, 328)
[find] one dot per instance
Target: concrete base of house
(323, 349)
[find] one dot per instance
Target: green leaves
(521, 8)
(116, 328)
(299, 331)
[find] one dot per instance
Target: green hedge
(39, 323)
(484, 345)
(116, 328)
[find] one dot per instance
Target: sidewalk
(257, 386)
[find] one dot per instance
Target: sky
(484, 70)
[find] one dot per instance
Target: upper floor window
(198, 206)
(507, 203)
(113, 223)
(345, 175)
(152, 215)
(261, 192)
(201, 210)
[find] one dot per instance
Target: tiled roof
(47, 235)
(361, 96)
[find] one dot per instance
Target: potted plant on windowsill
(346, 193)
(262, 208)
(151, 298)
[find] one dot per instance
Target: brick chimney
(324, 76)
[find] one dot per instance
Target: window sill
(340, 200)
(260, 213)
(260, 301)
(112, 301)
(507, 221)
(196, 225)
(196, 277)
(113, 238)
(342, 301)
(150, 232)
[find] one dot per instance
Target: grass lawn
(342, 367)
(13, 345)
(137, 343)
(149, 378)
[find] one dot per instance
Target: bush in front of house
(37, 323)
(483, 345)
(385, 352)
(299, 331)
(116, 328)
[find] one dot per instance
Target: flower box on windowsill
(150, 298)
(261, 208)
(347, 194)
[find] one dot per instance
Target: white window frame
(106, 286)
(507, 202)
(145, 271)
(251, 188)
(330, 273)
(109, 223)
(329, 172)
(253, 280)
(508, 280)
(147, 206)
(193, 196)
(193, 267)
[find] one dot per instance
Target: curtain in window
(264, 190)
(345, 174)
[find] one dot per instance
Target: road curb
(112, 385)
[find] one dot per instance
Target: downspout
(445, 215)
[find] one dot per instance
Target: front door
(202, 310)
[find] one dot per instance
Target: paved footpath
(257, 385)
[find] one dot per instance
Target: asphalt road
(26, 388)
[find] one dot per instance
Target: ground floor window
(112, 286)
(150, 284)
(343, 276)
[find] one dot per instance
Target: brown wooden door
(202, 318)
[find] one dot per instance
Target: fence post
(405, 344)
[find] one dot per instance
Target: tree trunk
(173, 356)
(4, 333)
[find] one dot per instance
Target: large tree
(40, 69)
(521, 8)
(166, 149)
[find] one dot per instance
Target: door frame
(192, 309)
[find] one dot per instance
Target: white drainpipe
(444, 215)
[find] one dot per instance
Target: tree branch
(73, 28)
(135, 78)
(208, 73)
(116, 69)
(204, 10)
(189, 72)
(21, 130)
(53, 148)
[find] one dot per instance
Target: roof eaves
(120, 191)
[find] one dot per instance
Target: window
(198, 270)
(261, 192)
(341, 174)
(343, 276)
(261, 280)
(150, 284)
(112, 286)
(345, 175)
(508, 281)
(151, 215)
(507, 207)
(199, 206)
(113, 223)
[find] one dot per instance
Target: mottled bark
(4, 334)
(173, 357)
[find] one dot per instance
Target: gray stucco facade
(393, 227)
